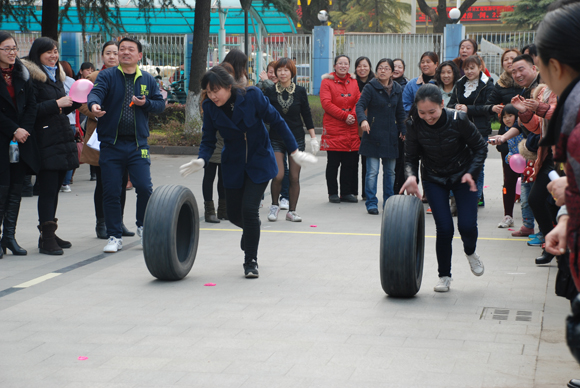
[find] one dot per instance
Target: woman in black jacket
(471, 94)
(58, 151)
(452, 153)
(17, 113)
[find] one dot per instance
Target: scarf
(389, 87)
(7, 75)
(285, 104)
(51, 71)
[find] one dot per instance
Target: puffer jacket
(446, 153)
(386, 118)
(478, 111)
(55, 139)
(338, 97)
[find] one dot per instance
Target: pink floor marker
(485, 187)
(313, 226)
(209, 284)
(82, 358)
(511, 229)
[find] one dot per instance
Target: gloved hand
(189, 168)
(304, 159)
(314, 145)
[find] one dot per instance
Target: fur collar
(527, 154)
(20, 71)
(39, 74)
(331, 76)
(506, 81)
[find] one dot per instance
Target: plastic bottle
(14, 152)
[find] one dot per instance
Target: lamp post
(455, 13)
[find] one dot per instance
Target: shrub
(172, 133)
(172, 112)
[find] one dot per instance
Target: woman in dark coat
(58, 150)
(382, 124)
(471, 94)
(17, 113)
(452, 152)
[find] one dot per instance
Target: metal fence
(24, 41)
(408, 47)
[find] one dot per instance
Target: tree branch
(466, 4)
(427, 10)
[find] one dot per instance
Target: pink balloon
(518, 163)
(80, 89)
(519, 186)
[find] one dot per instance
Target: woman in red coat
(339, 94)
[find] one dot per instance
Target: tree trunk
(440, 18)
(49, 23)
(198, 62)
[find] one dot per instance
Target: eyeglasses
(9, 50)
(382, 68)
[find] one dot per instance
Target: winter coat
(21, 115)
(109, 93)
(247, 148)
(410, 91)
(386, 118)
(401, 81)
(338, 97)
(56, 141)
(477, 111)
(89, 155)
(446, 153)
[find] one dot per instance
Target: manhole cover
(510, 315)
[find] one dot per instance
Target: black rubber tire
(402, 246)
(170, 232)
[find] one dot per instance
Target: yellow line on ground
(347, 234)
(39, 279)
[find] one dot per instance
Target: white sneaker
(65, 189)
(140, 234)
(274, 210)
(113, 245)
(507, 222)
(475, 264)
(443, 284)
(261, 204)
(284, 204)
(293, 216)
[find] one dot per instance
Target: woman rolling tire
(170, 246)
(402, 246)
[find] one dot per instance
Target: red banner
(475, 14)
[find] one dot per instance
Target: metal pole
(246, 39)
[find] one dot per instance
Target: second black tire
(171, 232)
(402, 246)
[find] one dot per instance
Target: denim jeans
(527, 213)
(481, 177)
(466, 201)
(373, 165)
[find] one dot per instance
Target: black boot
(127, 232)
(222, 212)
(546, 258)
(11, 210)
(27, 188)
(47, 243)
(210, 212)
(101, 229)
(61, 243)
(3, 199)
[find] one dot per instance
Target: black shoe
(101, 229)
(93, 177)
(251, 269)
(349, 198)
(334, 198)
(546, 258)
(127, 232)
(374, 211)
(574, 383)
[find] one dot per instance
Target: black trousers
(400, 168)
(243, 211)
(348, 164)
(49, 182)
(209, 174)
(98, 196)
(12, 173)
(539, 199)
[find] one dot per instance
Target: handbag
(94, 142)
(79, 140)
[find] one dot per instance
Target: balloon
(517, 163)
(519, 186)
(80, 89)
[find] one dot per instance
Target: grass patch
(316, 109)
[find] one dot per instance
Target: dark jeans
(539, 196)
(98, 196)
(49, 182)
(510, 179)
(466, 201)
(114, 161)
(243, 211)
(209, 174)
(348, 164)
(400, 168)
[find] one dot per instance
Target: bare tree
(439, 17)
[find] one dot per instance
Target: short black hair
(341, 56)
(524, 57)
(509, 109)
(109, 43)
(454, 69)
(39, 47)
(132, 39)
(403, 62)
(5, 36)
(389, 62)
(532, 48)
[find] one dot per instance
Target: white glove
(314, 145)
(304, 159)
(189, 168)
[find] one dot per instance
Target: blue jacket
(386, 117)
(247, 148)
(109, 93)
(410, 91)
